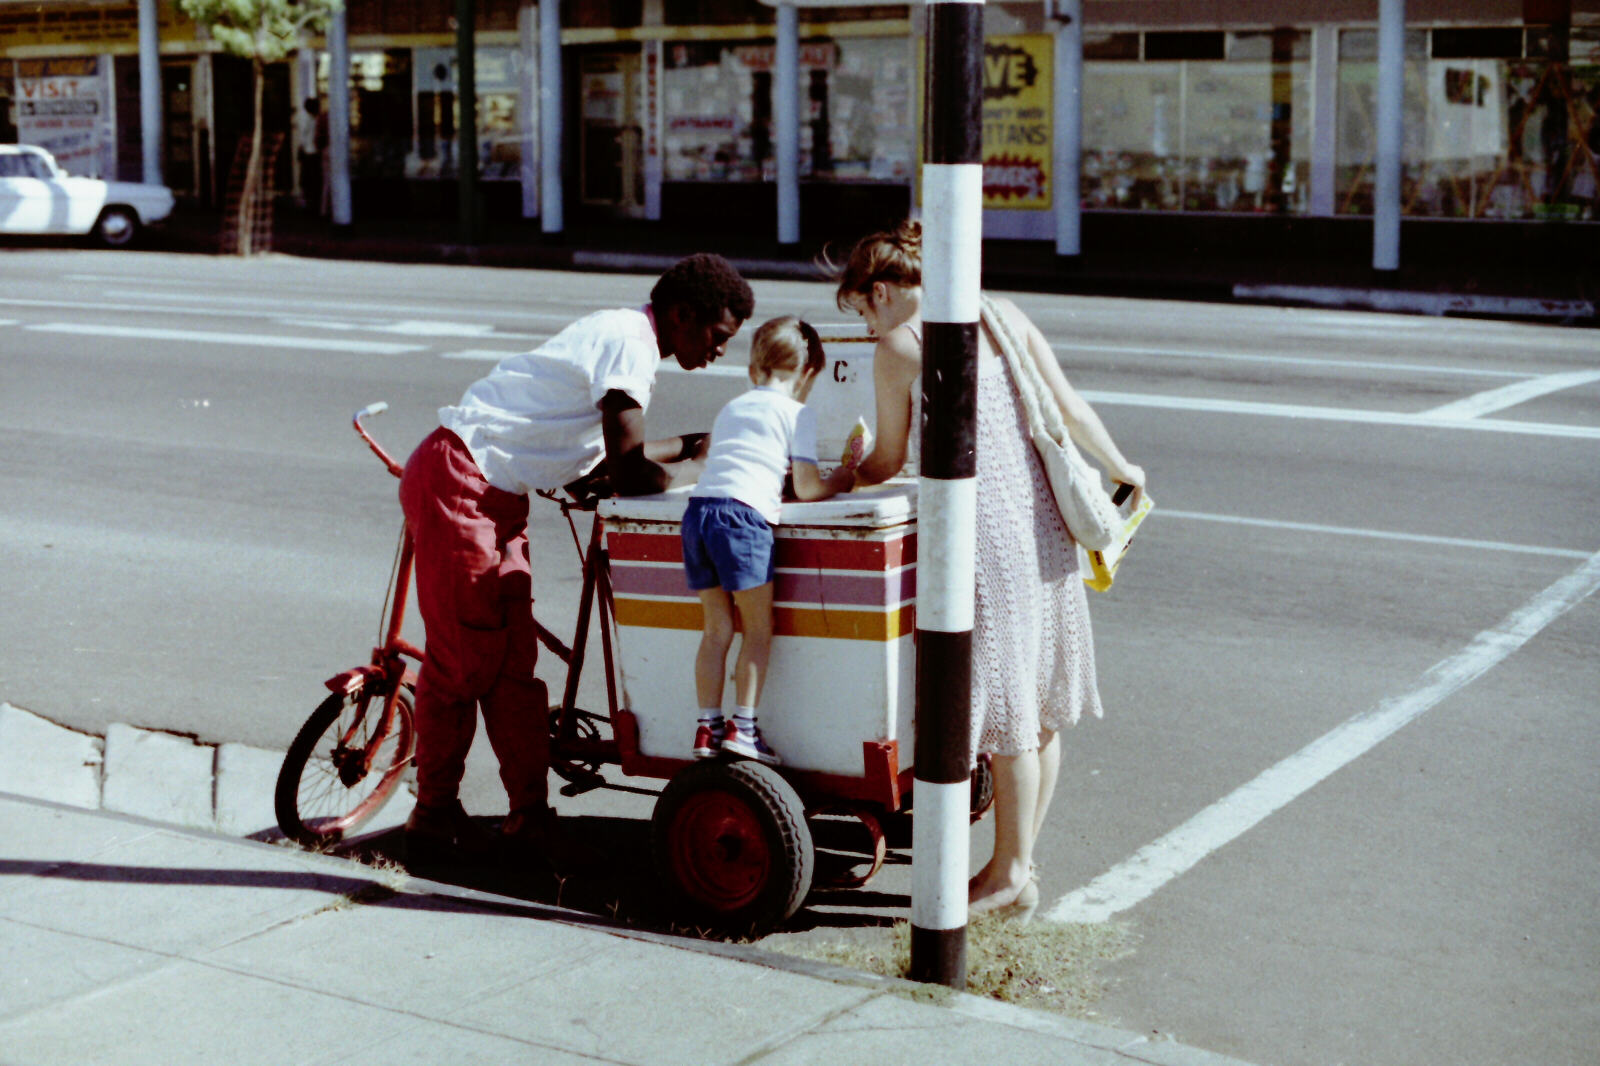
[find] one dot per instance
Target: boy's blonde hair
(784, 346)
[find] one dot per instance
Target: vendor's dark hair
(707, 283)
(894, 256)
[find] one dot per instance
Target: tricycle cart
(731, 839)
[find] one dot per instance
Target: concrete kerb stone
(245, 780)
(44, 760)
(159, 776)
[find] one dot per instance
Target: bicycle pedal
(579, 787)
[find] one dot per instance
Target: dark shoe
(534, 835)
(447, 834)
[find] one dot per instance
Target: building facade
(667, 107)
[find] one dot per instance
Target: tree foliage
(267, 30)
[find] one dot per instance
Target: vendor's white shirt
(752, 442)
(534, 421)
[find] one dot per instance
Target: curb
(163, 777)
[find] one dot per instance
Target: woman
(1032, 650)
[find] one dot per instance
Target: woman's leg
(1016, 795)
(1049, 770)
(711, 661)
(750, 669)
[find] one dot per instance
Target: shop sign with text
(1017, 121)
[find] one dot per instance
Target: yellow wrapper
(857, 444)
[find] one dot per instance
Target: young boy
(727, 528)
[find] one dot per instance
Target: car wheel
(116, 227)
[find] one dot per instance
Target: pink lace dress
(1032, 647)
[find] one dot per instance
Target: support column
(550, 115)
(528, 106)
(467, 121)
(1068, 156)
(150, 122)
(1324, 119)
(952, 192)
(338, 161)
(1391, 104)
(786, 122)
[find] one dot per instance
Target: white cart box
(840, 687)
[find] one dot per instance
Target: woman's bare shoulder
(900, 347)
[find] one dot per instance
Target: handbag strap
(1030, 383)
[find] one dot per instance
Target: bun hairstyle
(892, 256)
(785, 345)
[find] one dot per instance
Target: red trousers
(475, 591)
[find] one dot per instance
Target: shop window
(1484, 137)
(432, 153)
(1478, 43)
(1201, 135)
(856, 120)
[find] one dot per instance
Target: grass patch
(1043, 965)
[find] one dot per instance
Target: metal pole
(150, 128)
(467, 123)
(338, 161)
(1391, 101)
(550, 115)
(786, 122)
(527, 106)
(952, 190)
(1069, 126)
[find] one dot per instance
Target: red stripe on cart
(800, 553)
(835, 623)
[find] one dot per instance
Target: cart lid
(890, 504)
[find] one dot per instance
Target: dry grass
(1044, 965)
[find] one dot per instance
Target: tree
(262, 31)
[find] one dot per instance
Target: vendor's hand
(843, 479)
(685, 473)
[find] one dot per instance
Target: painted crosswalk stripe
(1510, 395)
(1160, 862)
(254, 340)
(1339, 414)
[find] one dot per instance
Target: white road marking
(483, 355)
(1338, 414)
(1511, 395)
(257, 340)
(1377, 534)
(1287, 360)
(1158, 863)
(399, 307)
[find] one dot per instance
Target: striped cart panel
(842, 667)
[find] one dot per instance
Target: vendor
(539, 420)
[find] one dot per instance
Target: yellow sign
(1017, 98)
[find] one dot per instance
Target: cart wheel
(732, 844)
(340, 770)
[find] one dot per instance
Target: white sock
(745, 719)
(711, 715)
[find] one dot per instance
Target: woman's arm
(1088, 432)
(896, 362)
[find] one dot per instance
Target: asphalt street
(1343, 795)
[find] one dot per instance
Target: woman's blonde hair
(893, 256)
(787, 344)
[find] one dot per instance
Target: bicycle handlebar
(366, 412)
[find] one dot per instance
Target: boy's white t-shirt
(755, 436)
(534, 421)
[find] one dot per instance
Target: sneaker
(707, 740)
(749, 746)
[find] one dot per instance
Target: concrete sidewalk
(127, 941)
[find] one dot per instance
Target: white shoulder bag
(1093, 520)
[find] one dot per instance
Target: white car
(37, 196)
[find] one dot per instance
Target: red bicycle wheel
(343, 766)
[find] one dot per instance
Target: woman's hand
(1128, 474)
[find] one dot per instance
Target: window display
(1201, 135)
(1485, 137)
(856, 118)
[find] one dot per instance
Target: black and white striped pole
(952, 213)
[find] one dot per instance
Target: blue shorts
(726, 543)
